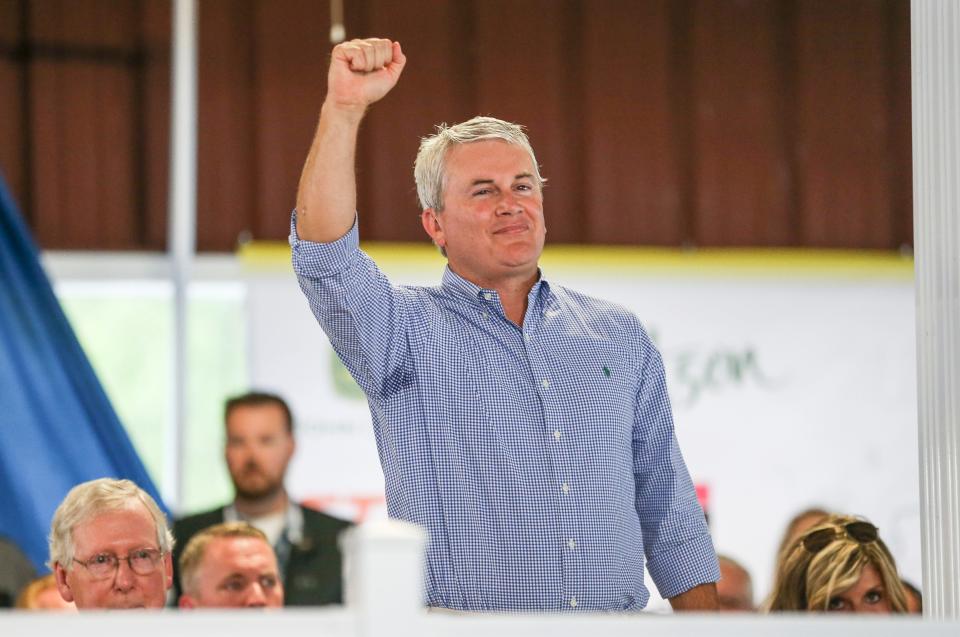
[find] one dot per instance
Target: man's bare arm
(361, 72)
(702, 597)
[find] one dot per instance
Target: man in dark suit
(259, 447)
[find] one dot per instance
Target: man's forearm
(327, 195)
(361, 72)
(702, 597)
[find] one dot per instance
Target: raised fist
(363, 71)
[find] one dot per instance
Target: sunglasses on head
(862, 532)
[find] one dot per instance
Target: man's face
(118, 533)
(236, 572)
(734, 589)
(258, 450)
(492, 225)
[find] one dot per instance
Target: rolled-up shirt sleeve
(679, 550)
(317, 260)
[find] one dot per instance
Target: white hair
(89, 499)
(430, 166)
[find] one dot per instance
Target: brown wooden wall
(658, 122)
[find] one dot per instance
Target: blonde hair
(807, 581)
(429, 169)
(89, 499)
(27, 599)
(193, 552)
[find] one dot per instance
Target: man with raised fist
(525, 425)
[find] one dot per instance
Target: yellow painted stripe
(637, 261)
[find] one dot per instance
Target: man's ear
(61, 575)
(431, 223)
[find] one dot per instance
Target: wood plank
(226, 139)
(631, 156)
(12, 136)
(292, 54)
(901, 141)
(47, 171)
(155, 38)
(90, 23)
(843, 125)
(742, 165)
(9, 23)
(82, 161)
(115, 146)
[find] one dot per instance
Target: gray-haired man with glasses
(110, 547)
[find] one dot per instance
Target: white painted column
(935, 36)
(181, 230)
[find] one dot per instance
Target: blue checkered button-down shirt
(541, 460)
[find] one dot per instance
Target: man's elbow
(699, 598)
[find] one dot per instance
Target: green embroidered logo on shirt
(606, 371)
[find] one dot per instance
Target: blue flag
(57, 426)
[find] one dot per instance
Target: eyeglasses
(104, 565)
(862, 532)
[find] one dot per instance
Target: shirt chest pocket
(505, 386)
(598, 391)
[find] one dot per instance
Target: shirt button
(572, 544)
(545, 383)
(485, 315)
(573, 602)
(565, 487)
(557, 434)
(487, 295)
(527, 337)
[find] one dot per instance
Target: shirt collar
(292, 525)
(456, 285)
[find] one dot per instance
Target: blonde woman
(840, 564)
